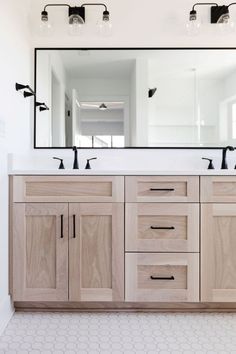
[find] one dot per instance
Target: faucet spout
(224, 165)
(75, 164)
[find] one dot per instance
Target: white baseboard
(6, 312)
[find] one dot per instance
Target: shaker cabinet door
(96, 252)
(218, 250)
(40, 252)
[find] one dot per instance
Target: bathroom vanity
(123, 240)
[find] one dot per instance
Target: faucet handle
(61, 166)
(210, 166)
(88, 167)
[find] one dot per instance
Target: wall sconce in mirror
(219, 15)
(151, 92)
(76, 19)
(26, 94)
(42, 106)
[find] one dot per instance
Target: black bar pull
(162, 189)
(162, 227)
(74, 228)
(62, 223)
(153, 277)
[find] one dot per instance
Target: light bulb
(227, 27)
(76, 27)
(193, 27)
(104, 28)
(46, 28)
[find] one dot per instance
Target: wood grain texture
(68, 188)
(96, 255)
(183, 217)
(141, 289)
(138, 189)
(218, 244)
(40, 255)
(41, 252)
(218, 189)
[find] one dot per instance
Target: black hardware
(28, 94)
(153, 277)
(162, 228)
(62, 223)
(75, 12)
(20, 87)
(74, 228)
(224, 165)
(75, 164)
(151, 92)
(78, 12)
(210, 166)
(61, 166)
(162, 189)
(88, 167)
(42, 106)
(218, 13)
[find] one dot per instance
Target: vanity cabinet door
(96, 252)
(40, 252)
(218, 253)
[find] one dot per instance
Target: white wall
(163, 25)
(15, 123)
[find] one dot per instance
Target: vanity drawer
(162, 227)
(162, 277)
(220, 189)
(162, 189)
(68, 189)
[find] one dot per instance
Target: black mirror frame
(119, 48)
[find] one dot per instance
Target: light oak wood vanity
(123, 242)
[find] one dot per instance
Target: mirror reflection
(108, 98)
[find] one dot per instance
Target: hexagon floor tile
(131, 333)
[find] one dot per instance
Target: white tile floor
(119, 333)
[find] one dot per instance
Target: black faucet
(224, 165)
(75, 164)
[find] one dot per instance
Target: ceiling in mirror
(116, 98)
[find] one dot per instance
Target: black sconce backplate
(217, 12)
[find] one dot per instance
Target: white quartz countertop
(94, 172)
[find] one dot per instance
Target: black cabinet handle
(62, 223)
(162, 227)
(74, 229)
(162, 189)
(153, 277)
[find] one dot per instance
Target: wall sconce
(219, 15)
(76, 19)
(151, 92)
(26, 94)
(42, 106)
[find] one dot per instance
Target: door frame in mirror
(36, 49)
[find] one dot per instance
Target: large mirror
(116, 98)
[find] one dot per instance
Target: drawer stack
(162, 238)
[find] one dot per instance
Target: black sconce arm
(52, 5)
(204, 3)
(94, 4)
(232, 3)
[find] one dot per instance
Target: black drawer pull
(74, 230)
(153, 277)
(162, 227)
(162, 189)
(62, 223)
